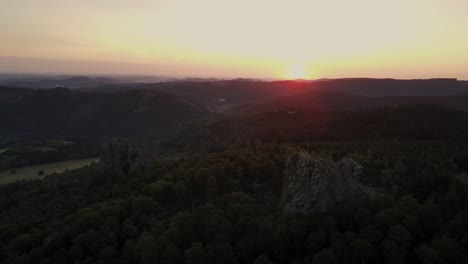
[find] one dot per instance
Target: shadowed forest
(240, 171)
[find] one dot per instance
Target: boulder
(313, 183)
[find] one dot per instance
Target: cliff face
(118, 157)
(317, 184)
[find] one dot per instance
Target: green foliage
(224, 208)
(145, 248)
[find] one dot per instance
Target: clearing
(32, 172)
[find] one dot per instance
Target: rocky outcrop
(121, 158)
(313, 183)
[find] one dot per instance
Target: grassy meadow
(32, 172)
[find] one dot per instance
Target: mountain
(30, 114)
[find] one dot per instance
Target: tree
(428, 255)
(245, 248)
(363, 251)
(221, 176)
(400, 169)
(451, 202)
(277, 180)
(432, 218)
(145, 248)
(371, 234)
(171, 255)
(326, 256)
(144, 205)
(386, 218)
(394, 254)
(340, 247)
(298, 230)
(22, 243)
(233, 185)
(162, 192)
(224, 254)
(317, 240)
(195, 254)
(21, 259)
(181, 193)
(127, 252)
(211, 189)
(75, 252)
(183, 222)
(281, 243)
(399, 235)
(200, 180)
(264, 238)
(262, 259)
(108, 255)
(449, 249)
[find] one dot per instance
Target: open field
(31, 172)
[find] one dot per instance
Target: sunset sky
(241, 38)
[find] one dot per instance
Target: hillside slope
(406, 123)
(221, 95)
(26, 113)
(333, 100)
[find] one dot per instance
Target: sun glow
(297, 71)
(207, 38)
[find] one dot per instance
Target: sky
(241, 38)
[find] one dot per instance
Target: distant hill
(220, 95)
(393, 87)
(44, 82)
(336, 100)
(416, 122)
(30, 114)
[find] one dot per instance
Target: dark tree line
(224, 208)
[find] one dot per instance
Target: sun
(297, 71)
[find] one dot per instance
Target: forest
(233, 132)
(224, 204)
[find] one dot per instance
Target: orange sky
(242, 38)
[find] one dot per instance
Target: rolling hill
(335, 100)
(404, 123)
(60, 112)
(221, 95)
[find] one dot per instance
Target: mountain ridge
(64, 112)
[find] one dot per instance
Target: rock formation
(121, 158)
(317, 184)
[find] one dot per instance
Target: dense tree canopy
(224, 208)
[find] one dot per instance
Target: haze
(244, 38)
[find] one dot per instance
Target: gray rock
(120, 157)
(313, 183)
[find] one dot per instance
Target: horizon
(124, 73)
(175, 78)
(260, 39)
